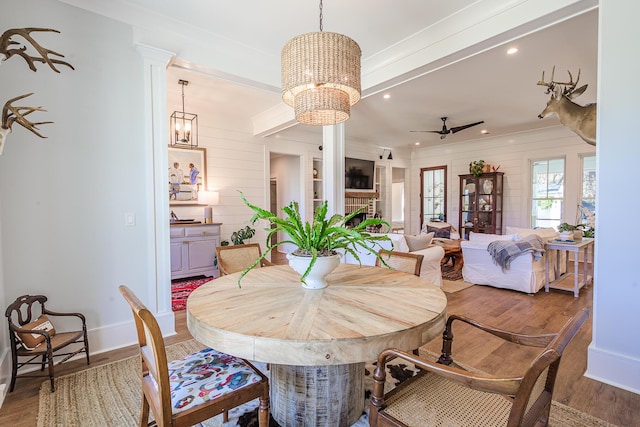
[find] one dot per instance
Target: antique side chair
(32, 336)
(232, 259)
(401, 261)
(197, 387)
(450, 395)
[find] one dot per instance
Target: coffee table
(316, 341)
(452, 252)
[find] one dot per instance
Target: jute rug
(451, 286)
(109, 395)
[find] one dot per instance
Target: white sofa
(526, 274)
(430, 269)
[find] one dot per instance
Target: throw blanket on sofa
(503, 251)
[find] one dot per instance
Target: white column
(156, 140)
(614, 356)
(333, 167)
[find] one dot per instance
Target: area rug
(181, 289)
(451, 286)
(449, 272)
(109, 395)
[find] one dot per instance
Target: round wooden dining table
(316, 340)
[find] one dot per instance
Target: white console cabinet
(193, 250)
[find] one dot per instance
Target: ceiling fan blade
(430, 131)
(459, 128)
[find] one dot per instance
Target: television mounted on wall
(359, 174)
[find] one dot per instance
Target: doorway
(285, 172)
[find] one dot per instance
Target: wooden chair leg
(14, 371)
(225, 416)
(144, 412)
(263, 413)
(51, 371)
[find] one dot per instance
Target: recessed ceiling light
(417, 142)
(484, 131)
(386, 96)
(512, 50)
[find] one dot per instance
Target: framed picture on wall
(187, 175)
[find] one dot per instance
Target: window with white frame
(587, 208)
(547, 192)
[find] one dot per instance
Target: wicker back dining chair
(232, 259)
(401, 261)
(32, 336)
(450, 395)
(197, 387)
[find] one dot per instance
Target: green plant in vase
(475, 167)
(322, 237)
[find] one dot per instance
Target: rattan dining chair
(232, 259)
(450, 395)
(32, 336)
(197, 387)
(401, 261)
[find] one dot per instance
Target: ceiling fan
(444, 131)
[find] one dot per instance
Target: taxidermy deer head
(8, 47)
(578, 118)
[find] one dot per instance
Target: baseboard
(103, 339)
(614, 369)
(112, 337)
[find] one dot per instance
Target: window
(547, 192)
(587, 211)
(433, 191)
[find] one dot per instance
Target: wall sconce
(389, 157)
(208, 198)
(184, 126)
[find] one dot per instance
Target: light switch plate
(129, 219)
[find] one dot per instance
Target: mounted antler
(569, 89)
(578, 118)
(12, 114)
(6, 42)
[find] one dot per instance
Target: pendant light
(184, 126)
(321, 76)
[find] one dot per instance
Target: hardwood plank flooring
(542, 312)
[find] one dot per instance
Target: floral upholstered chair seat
(206, 375)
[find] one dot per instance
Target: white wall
(614, 354)
(512, 154)
(64, 198)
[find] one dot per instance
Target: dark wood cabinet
(481, 199)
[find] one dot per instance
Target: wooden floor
(543, 312)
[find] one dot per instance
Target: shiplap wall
(513, 154)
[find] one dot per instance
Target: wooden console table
(576, 247)
(316, 341)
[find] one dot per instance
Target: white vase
(323, 266)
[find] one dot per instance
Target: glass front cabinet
(481, 203)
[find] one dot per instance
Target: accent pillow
(31, 341)
(440, 232)
(419, 242)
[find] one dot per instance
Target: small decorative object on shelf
(315, 172)
(476, 167)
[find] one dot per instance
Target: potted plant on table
(319, 241)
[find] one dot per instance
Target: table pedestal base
(331, 395)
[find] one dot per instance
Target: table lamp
(208, 198)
